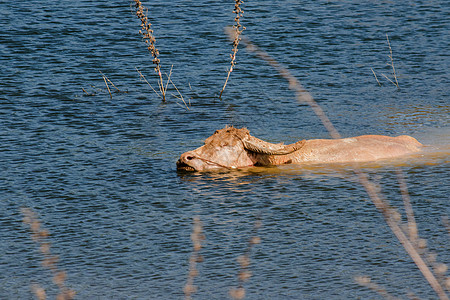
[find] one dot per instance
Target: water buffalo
(232, 148)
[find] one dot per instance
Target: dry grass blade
(368, 283)
(39, 292)
(392, 62)
(391, 219)
(237, 30)
(87, 94)
(114, 86)
(49, 261)
(412, 225)
(147, 34)
(446, 224)
(389, 214)
(376, 78)
(390, 80)
(244, 263)
(145, 79)
(197, 237)
(180, 96)
(107, 86)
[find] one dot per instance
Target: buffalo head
(232, 148)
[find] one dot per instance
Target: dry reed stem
(197, 237)
(109, 91)
(446, 223)
(368, 283)
(106, 80)
(87, 94)
(39, 292)
(244, 263)
(49, 261)
(237, 32)
(391, 218)
(147, 34)
(114, 86)
(145, 79)
(169, 79)
(412, 296)
(392, 61)
(391, 64)
(389, 214)
(96, 88)
(180, 97)
(412, 225)
(376, 78)
(385, 76)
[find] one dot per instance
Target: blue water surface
(100, 171)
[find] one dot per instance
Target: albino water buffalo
(232, 148)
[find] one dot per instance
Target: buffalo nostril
(187, 156)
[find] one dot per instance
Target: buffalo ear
(259, 146)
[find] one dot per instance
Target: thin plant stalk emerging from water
(244, 262)
(197, 237)
(50, 261)
(392, 61)
(147, 34)
(179, 97)
(367, 282)
(391, 64)
(106, 79)
(238, 28)
(107, 86)
(390, 215)
(376, 78)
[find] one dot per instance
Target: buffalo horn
(259, 146)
